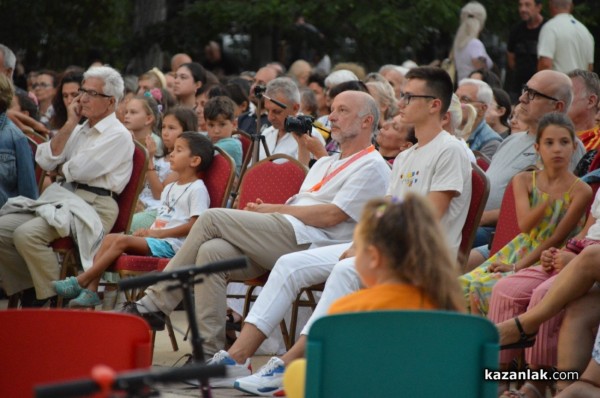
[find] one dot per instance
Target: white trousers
(291, 273)
(343, 280)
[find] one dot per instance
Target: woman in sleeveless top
(550, 206)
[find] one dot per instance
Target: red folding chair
(126, 201)
(508, 226)
(273, 182)
(35, 350)
(479, 195)
(246, 141)
(218, 180)
(274, 179)
(34, 140)
(482, 160)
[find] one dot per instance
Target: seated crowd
(383, 205)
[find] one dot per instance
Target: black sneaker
(29, 299)
(156, 320)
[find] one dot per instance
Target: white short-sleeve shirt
(567, 42)
(440, 165)
(365, 179)
(179, 203)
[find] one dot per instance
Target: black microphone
(154, 277)
(67, 389)
(130, 380)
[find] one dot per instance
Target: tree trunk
(146, 14)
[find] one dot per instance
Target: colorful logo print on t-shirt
(410, 178)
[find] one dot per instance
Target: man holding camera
(324, 212)
(247, 120)
(284, 91)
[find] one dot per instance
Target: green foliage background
(56, 34)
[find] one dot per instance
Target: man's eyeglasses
(531, 94)
(92, 93)
(41, 85)
(406, 97)
(466, 100)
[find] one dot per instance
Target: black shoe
(29, 299)
(156, 320)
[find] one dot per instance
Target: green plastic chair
(401, 354)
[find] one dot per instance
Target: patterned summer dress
(477, 285)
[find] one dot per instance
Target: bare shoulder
(582, 189)
(523, 178)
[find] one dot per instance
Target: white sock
(145, 305)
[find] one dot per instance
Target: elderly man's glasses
(406, 97)
(531, 94)
(466, 100)
(92, 93)
(41, 85)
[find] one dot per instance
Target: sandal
(233, 323)
(67, 288)
(525, 340)
(523, 394)
(86, 299)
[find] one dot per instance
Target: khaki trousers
(26, 260)
(221, 234)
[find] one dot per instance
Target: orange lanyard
(335, 172)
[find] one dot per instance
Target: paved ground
(165, 356)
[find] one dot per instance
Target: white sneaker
(234, 369)
(267, 382)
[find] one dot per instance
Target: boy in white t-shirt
(181, 204)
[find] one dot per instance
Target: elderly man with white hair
(94, 162)
(479, 94)
(394, 74)
(8, 61)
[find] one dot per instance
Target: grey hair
(339, 76)
(10, 60)
(484, 91)
(374, 77)
(387, 67)
(564, 92)
(387, 97)
(400, 69)
(285, 87)
(113, 82)
(590, 80)
(370, 107)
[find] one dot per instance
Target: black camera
(300, 124)
(259, 91)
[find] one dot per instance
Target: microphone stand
(186, 284)
(187, 279)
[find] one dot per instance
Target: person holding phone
(94, 161)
